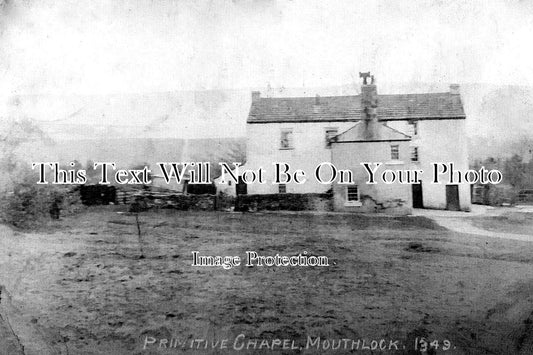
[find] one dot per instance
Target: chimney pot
(256, 95)
(454, 89)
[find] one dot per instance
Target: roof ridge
(308, 97)
(356, 95)
(420, 93)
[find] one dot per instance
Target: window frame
(350, 202)
(289, 138)
(414, 125)
(394, 150)
(330, 129)
(415, 154)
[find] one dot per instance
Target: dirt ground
(511, 220)
(78, 286)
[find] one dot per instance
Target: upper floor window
(286, 141)
(330, 133)
(395, 152)
(414, 153)
(282, 188)
(414, 127)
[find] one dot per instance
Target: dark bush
(29, 204)
(26, 204)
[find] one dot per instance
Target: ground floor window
(352, 195)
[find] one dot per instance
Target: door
(241, 188)
(452, 197)
(417, 195)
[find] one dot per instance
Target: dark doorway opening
(241, 188)
(452, 197)
(417, 195)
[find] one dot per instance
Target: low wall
(369, 205)
(286, 202)
(145, 199)
(175, 201)
(192, 202)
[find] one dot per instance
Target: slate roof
(348, 108)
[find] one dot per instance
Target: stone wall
(284, 202)
(145, 199)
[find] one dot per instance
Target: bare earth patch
(516, 222)
(82, 286)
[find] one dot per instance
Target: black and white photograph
(266, 177)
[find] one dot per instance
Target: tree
(17, 132)
(92, 174)
(528, 181)
(235, 153)
(24, 202)
(514, 171)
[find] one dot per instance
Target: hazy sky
(99, 47)
(144, 46)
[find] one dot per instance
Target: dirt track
(472, 223)
(81, 288)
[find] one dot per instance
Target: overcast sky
(99, 47)
(145, 46)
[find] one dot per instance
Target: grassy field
(82, 284)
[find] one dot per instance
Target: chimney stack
(454, 89)
(369, 105)
(256, 95)
(369, 97)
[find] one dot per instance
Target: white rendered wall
(263, 148)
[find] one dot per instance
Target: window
(330, 133)
(282, 188)
(286, 139)
(414, 128)
(352, 195)
(414, 153)
(229, 182)
(395, 152)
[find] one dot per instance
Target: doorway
(417, 195)
(452, 197)
(242, 187)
